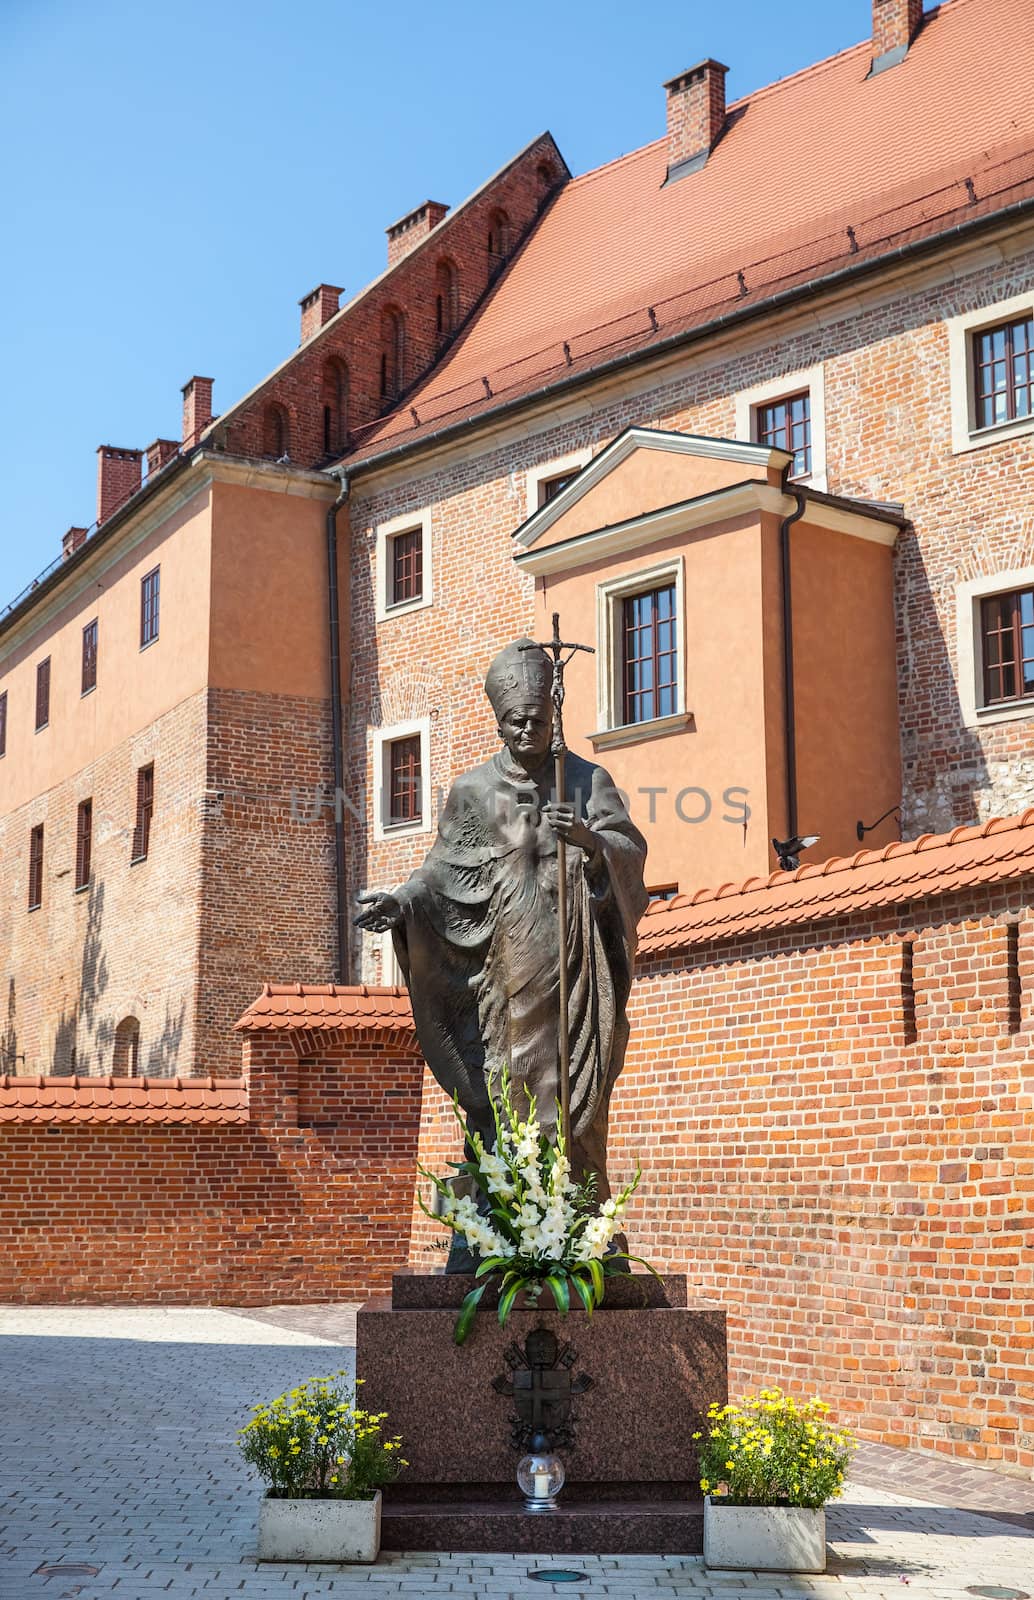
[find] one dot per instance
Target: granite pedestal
(656, 1363)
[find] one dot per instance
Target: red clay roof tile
(138, 1100)
(316, 1008)
(935, 864)
(621, 260)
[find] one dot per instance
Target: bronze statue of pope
(476, 930)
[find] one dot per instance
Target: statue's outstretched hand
(381, 911)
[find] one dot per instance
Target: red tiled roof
(620, 261)
(123, 1100)
(935, 864)
(320, 1007)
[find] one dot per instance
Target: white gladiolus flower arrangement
(531, 1224)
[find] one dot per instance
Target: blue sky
(177, 176)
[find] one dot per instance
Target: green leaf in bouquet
(507, 1298)
(584, 1292)
(491, 1265)
(560, 1290)
(467, 1313)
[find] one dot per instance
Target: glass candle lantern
(540, 1476)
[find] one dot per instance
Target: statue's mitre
(520, 673)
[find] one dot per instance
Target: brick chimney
(72, 541)
(158, 453)
(318, 307)
(696, 116)
(405, 234)
(895, 24)
(118, 476)
(197, 408)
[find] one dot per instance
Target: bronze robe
(479, 948)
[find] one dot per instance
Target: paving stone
(117, 1450)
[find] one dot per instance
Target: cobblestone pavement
(117, 1465)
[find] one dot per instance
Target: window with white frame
(789, 413)
(640, 654)
(551, 478)
(995, 632)
(403, 565)
(402, 779)
(991, 365)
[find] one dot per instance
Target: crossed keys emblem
(542, 1387)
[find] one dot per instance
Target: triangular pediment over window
(642, 470)
(648, 483)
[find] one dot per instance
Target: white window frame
(610, 594)
(969, 636)
(391, 971)
(750, 401)
(383, 738)
(536, 477)
(387, 532)
(965, 435)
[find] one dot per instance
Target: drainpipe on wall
(337, 736)
(789, 704)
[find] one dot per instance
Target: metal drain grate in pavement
(994, 1591)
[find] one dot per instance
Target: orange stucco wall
(269, 591)
(712, 794)
(848, 753)
(134, 687)
(723, 747)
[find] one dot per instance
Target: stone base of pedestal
(655, 1364)
(618, 1528)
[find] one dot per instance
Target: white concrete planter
(764, 1538)
(320, 1530)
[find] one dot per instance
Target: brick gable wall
(356, 338)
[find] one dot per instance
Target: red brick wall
(280, 1209)
(863, 1207)
(267, 867)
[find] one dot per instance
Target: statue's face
(527, 730)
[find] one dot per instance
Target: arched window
(278, 432)
(126, 1057)
(335, 406)
(447, 298)
(393, 352)
(546, 176)
(498, 237)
